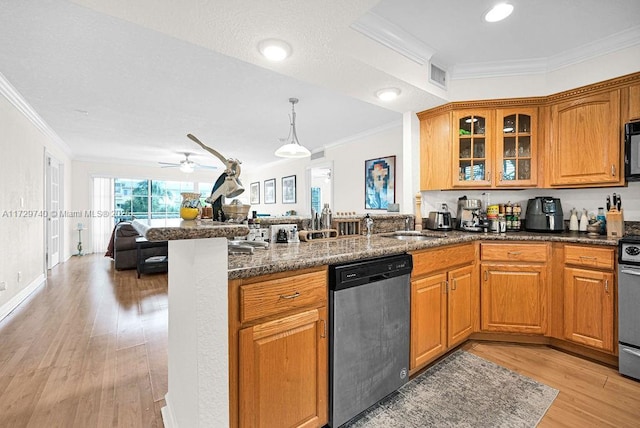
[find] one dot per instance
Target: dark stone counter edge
(153, 233)
(398, 247)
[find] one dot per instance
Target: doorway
(53, 204)
(320, 192)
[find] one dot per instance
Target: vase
(190, 206)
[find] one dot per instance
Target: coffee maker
(471, 217)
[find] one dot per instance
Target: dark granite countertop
(175, 228)
(284, 257)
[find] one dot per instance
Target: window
(151, 198)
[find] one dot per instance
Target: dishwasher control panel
(363, 271)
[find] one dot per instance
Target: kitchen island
(200, 317)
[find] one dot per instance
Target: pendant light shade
(292, 148)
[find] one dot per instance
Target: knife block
(615, 223)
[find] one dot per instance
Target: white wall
(348, 174)
(22, 247)
(606, 67)
(590, 199)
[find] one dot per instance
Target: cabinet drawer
(281, 295)
(437, 260)
(514, 252)
(603, 258)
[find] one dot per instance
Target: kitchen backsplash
(590, 199)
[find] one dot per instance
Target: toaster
(439, 220)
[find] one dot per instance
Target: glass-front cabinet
(472, 148)
(516, 147)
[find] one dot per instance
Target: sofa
(124, 247)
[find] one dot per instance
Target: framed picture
(289, 189)
(254, 193)
(270, 191)
(380, 183)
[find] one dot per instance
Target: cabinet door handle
(324, 328)
(486, 277)
(488, 175)
(500, 175)
(446, 286)
(290, 296)
(454, 286)
(613, 170)
(606, 285)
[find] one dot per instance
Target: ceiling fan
(186, 165)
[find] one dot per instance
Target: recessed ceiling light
(498, 12)
(388, 94)
(274, 50)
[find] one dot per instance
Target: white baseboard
(8, 307)
(167, 415)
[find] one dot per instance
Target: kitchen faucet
(368, 222)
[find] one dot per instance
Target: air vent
(317, 155)
(438, 76)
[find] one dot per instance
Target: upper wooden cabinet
(472, 137)
(568, 139)
(585, 142)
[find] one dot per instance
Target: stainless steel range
(629, 306)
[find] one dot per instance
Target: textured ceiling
(127, 80)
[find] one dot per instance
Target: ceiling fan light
(498, 12)
(274, 50)
(388, 94)
(187, 167)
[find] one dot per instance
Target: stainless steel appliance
(471, 217)
(544, 214)
(628, 306)
(439, 220)
(368, 333)
(632, 151)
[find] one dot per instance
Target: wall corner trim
(18, 101)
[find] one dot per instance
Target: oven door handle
(630, 351)
(630, 271)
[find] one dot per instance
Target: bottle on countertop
(573, 222)
(602, 218)
(326, 217)
(584, 221)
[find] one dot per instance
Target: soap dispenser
(573, 222)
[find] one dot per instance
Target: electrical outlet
(19, 276)
(3, 285)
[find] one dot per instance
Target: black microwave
(632, 151)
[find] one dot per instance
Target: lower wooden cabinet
(444, 301)
(283, 378)
(513, 291)
(279, 350)
(589, 307)
(513, 298)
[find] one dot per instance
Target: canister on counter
(492, 211)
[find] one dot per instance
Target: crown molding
(18, 101)
(395, 38)
(613, 43)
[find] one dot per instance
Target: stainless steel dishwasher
(369, 305)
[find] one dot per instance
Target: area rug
(462, 390)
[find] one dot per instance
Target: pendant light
(293, 149)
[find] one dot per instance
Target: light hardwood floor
(89, 350)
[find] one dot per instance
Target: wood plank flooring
(88, 349)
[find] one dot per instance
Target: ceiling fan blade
(168, 164)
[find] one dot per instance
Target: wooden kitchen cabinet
(513, 292)
(486, 147)
(585, 143)
(444, 301)
(473, 141)
(279, 350)
(589, 296)
(516, 154)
